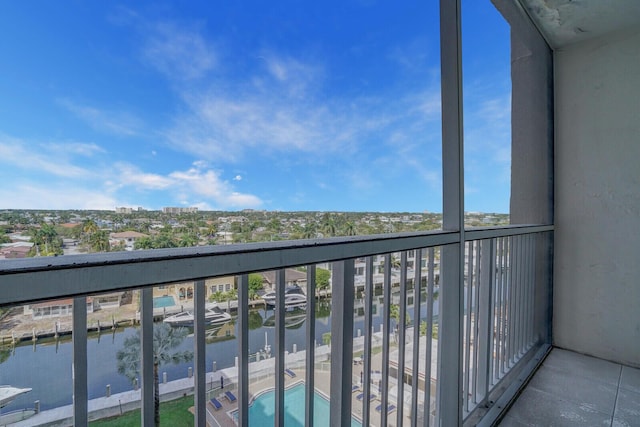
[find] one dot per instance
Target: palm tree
(89, 226)
(350, 229)
(99, 241)
(310, 231)
(329, 225)
(188, 240)
(165, 341)
(212, 229)
(46, 236)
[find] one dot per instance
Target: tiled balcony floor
(571, 389)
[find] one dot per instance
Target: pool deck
(261, 378)
(223, 416)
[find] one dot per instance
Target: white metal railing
(502, 315)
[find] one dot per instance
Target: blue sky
(282, 105)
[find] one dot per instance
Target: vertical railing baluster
(368, 324)
(526, 295)
(493, 305)
(428, 354)
(243, 351)
(481, 282)
(498, 314)
(402, 332)
(467, 329)
(415, 366)
(532, 281)
(146, 362)
(311, 345)
(513, 279)
(279, 344)
(386, 323)
(522, 295)
(80, 384)
(505, 303)
(199, 359)
(516, 301)
(341, 343)
(484, 320)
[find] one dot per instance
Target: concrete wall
(597, 203)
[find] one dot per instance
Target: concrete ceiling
(564, 22)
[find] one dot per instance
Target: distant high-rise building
(124, 210)
(178, 210)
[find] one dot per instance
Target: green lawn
(175, 413)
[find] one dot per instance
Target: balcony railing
(475, 308)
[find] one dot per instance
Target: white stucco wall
(597, 203)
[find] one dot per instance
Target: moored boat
(213, 315)
(8, 394)
(293, 297)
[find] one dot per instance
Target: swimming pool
(262, 409)
(165, 301)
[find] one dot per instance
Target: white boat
(293, 297)
(8, 393)
(212, 316)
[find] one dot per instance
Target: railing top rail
(26, 280)
(478, 233)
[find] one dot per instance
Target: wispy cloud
(50, 158)
(208, 184)
(77, 148)
(179, 53)
(296, 77)
(31, 195)
(119, 123)
(223, 125)
(412, 56)
(198, 184)
(101, 183)
(279, 109)
(130, 175)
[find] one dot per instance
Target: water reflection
(293, 319)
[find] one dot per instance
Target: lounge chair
(290, 373)
(216, 404)
(390, 408)
(361, 396)
(355, 388)
(230, 396)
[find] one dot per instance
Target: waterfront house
(54, 308)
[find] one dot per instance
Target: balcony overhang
(565, 22)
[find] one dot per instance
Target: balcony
(486, 306)
(500, 331)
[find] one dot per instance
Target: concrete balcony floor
(571, 389)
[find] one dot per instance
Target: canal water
(46, 365)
